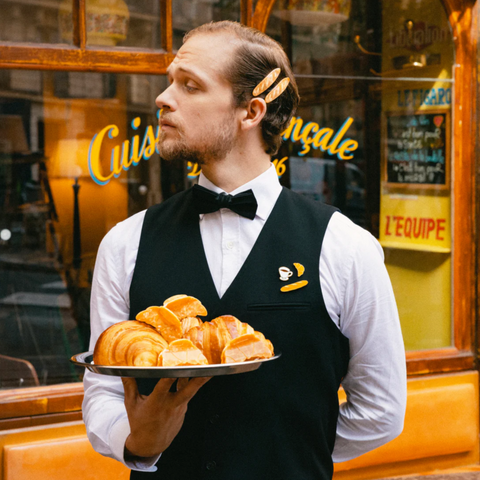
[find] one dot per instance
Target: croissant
(210, 339)
(190, 322)
(233, 325)
(129, 343)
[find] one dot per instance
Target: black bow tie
(206, 201)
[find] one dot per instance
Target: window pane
(36, 22)
(373, 137)
(47, 251)
(188, 14)
(125, 23)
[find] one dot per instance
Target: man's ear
(253, 113)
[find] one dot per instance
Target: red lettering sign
(415, 227)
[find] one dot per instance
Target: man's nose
(166, 100)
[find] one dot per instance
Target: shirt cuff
(118, 436)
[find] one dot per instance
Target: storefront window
(43, 25)
(76, 157)
(373, 137)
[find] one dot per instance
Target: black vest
(278, 422)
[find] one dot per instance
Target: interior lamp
(70, 160)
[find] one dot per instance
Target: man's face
(198, 119)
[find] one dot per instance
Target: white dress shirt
(358, 297)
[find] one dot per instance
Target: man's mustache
(167, 120)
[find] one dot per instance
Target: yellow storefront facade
(386, 131)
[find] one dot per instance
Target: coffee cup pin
(285, 273)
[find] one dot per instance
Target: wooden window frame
(20, 404)
(80, 57)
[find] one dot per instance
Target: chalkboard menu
(417, 149)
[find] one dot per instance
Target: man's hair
(255, 57)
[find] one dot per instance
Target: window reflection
(388, 67)
(318, 35)
(188, 14)
(126, 23)
(43, 22)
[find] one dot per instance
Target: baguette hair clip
(278, 90)
(267, 82)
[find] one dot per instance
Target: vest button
(214, 419)
(211, 466)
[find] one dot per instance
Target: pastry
(210, 339)
(181, 353)
(185, 306)
(251, 346)
(164, 320)
(233, 325)
(190, 322)
(129, 343)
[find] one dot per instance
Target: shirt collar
(265, 187)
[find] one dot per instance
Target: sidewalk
(465, 473)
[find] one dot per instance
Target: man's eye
(190, 88)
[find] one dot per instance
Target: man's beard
(215, 147)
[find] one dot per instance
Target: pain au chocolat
(173, 335)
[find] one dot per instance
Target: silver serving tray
(86, 360)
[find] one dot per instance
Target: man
(283, 420)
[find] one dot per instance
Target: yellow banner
(415, 222)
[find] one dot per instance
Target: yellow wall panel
(70, 457)
(422, 285)
(441, 423)
(54, 452)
